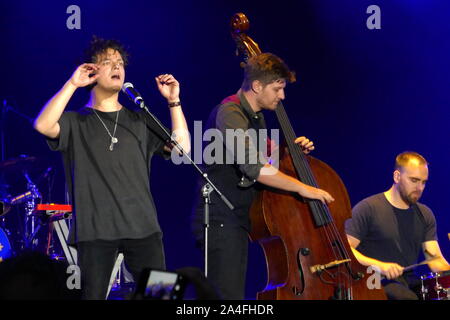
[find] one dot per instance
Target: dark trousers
(96, 260)
(402, 288)
(227, 259)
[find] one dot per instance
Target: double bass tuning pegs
(239, 23)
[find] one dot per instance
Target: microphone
(132, 93)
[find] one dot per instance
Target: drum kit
(28, 219)
(435, 286)
(23, 224)
(28, 223)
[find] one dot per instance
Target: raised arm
(47, 121)
(169, 88)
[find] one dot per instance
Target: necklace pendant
(114, 140)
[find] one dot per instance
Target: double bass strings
(328, 227)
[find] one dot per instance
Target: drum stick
(419, 264)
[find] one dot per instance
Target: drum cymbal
(21, 163)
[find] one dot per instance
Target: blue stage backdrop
(363, 95)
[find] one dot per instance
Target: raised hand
(82, 75)
(169, 87)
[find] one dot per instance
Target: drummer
(388, 230)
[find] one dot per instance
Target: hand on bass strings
(306, 144)
(315, 193)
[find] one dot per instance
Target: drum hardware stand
(436, 288)
(5, 108)
(423, 290)
(440, 289)
(31, 226)
(29, 198)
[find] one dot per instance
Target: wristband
(174, 104)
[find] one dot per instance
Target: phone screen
(163, 285)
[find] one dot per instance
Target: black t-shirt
(390, 234)
(234, 113)
(110, 190)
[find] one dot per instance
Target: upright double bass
(307, 253)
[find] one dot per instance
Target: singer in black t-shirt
(107, 151)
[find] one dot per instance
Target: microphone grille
(127, 85)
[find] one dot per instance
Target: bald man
(388, 230)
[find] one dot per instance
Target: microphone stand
(206, 190)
